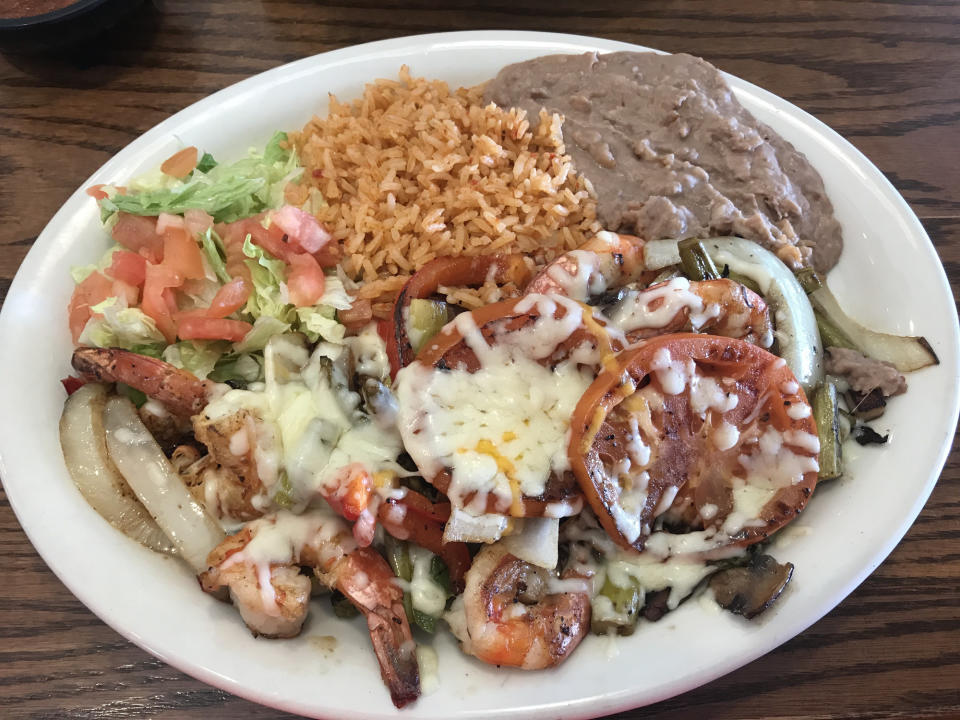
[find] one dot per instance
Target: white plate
(848, 529)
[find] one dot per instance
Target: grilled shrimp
(609, 261)
(717, 307)
(180, 391)
(272, 601)
(605, 261)
(227, 480)
(517, 614)
(260, 566)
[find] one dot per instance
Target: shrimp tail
(181, 392)
(366, 579)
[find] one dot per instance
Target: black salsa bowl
(70, 25)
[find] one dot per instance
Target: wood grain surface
(884, 75)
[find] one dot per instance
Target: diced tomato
(358, 315)
(170, 299)
(329, 255)
(270, 239)
(97, 193)
(301, 228)
(197, 221)
(71, 384)
(180, 315)
(140, 235)
(128, 267)
(230, 298)
(208, 328)
(181, 254)
(168, 220)
(94, 289)
(305, 280)
(130, 293)
(232, 236)
(181, 163)
(157, 296)
(356, 493)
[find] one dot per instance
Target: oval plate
(154, 601)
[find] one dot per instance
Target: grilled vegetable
(84, 447)
(903, 352)
(751, 589)
(426, 317)
(826, 411)
(697, 264)
(797, 334)
(146, 469)
(866, 406)
(617, 609)
(866, 435)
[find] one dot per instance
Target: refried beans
(671, 153)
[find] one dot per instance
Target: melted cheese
(503, 429)
(429, 666)
(798, 411)
(304, 422)
(280, 538)
(369, 353)
(581, 274)
(426, 595)
(681, 575)
(657, 307)
(776, 465)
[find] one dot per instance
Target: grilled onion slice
(148, 471)
(85, 452)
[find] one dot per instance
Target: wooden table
(885, 75)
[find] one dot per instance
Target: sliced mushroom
(866, 435)
(655, 605)
(750, 589)
(867, 406)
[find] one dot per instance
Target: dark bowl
(72, 25)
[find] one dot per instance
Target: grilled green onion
(830, 334)
(696, 263)
(809, 280)
(623, 612)
(826, 413)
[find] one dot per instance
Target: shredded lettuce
(269, 296)
(319, 322)
(264, 328)
(206, 163)
(79, 273)
(239, 369)
(335, 294)
(153, 180)
(212, 246)
(227, 192)
(197, 356)
(137, 397)
(121, 326)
